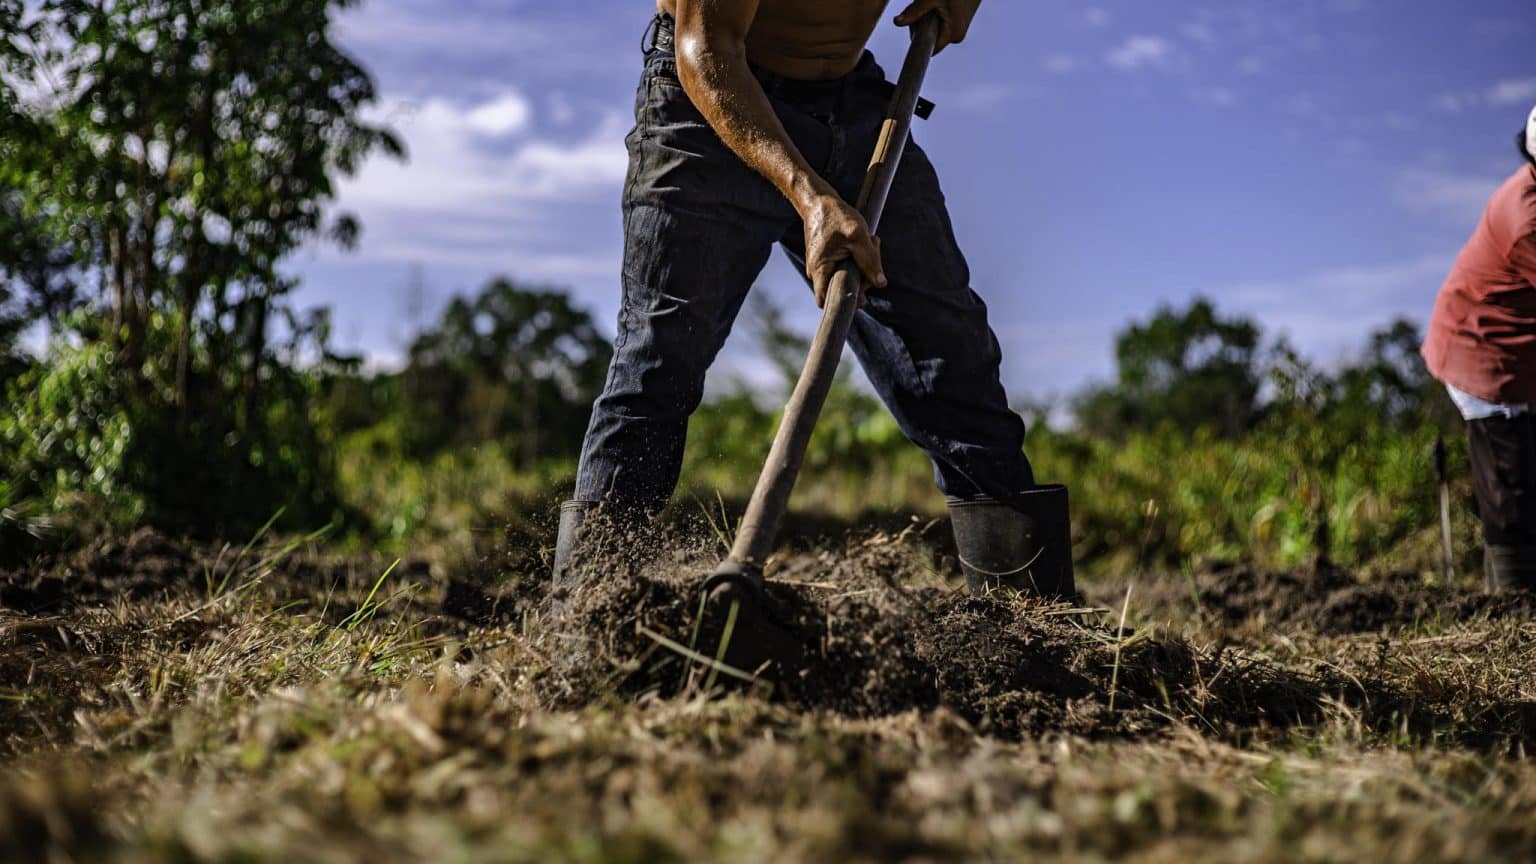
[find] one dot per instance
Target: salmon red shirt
(1482, 335)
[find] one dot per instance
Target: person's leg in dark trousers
(698, 228)
(923, 340)
(928, 350)
(1503, 461)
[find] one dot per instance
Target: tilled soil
(147, 565)
(884, 626)
(1333, 601)
(170, 701)
(882, 637)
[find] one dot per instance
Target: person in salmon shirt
(1482, 346)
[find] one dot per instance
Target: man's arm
(712, 65)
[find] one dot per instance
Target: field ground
(162, 700)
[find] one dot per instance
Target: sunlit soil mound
(884, 633)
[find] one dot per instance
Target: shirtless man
(754, 121)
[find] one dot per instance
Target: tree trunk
(184, 353)
(530, 419)
(1322, 536)
(127, 329)
(119, 289)
(255, 349)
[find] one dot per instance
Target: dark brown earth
(883, 630)
(1334, 601)
(884, 634)
(163, 700)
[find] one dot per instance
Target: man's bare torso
(807, 39)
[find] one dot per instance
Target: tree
(187, 146)
(1390, 380)
(161, 157)
(1189, 369)
(512, 361)
(39, 276)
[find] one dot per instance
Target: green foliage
(1332, 464)
(25, 526)
(83, 437)
(1166, 499)
(71, 433)
(176, 152)
(857, 458)
(187, 147)
(1213, 447)
(1181, 368)
(510, 364)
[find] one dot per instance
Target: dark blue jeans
(699, 225)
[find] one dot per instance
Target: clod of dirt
(1011, 666)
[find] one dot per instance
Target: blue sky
(1315, 164)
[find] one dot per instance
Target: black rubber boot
(568, 542)
(1509, 568)
(1025, 546)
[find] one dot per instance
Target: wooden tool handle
(770, 498)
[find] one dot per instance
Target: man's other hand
(835, 232)
(954, 18)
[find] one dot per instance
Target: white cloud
(1500, 94)
(414, 27)
(487, 191)
(505, 114)
(1456, 197)
(550, 169)
(1451, 103)
(1138, 52)
(984, 97)
(433, 39)
(1515, 91)
(1330, 311)
(453, 167)
(1059, 63)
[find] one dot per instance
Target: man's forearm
(722, 87)
(712, 65)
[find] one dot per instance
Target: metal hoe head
(736, 590)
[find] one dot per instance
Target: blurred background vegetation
(158, 161)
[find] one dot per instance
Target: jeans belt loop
(658, 35)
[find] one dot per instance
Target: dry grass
(288, 717)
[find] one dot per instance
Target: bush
(88, 437)
(1164, 499)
